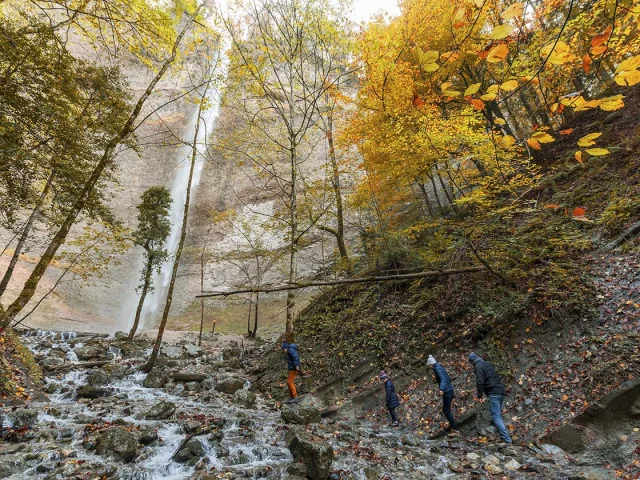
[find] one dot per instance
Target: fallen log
(386, 278)
(188, 377)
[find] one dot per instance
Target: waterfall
(155, 300)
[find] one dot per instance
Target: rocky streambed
(197, 416)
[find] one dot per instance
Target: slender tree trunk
(201, 289)
(249, 315)
(291, 298)
(255, 316)
(423, 189)
(213, 326)
(337, 189)
(435, 193)
(24, 235)
(145, 289)
(183, 234)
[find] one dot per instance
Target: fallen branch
(628, 234)
(386, 278)
(70, 366)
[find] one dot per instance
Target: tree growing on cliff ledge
(152, 232)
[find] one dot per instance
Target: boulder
(316, 456)
(193, 350)
(244, 398)
(121, 336)
(92, 352)
(172, 352)
(155, 379)
(192, 387)
(190, 450)
(300, 414)
(118, 443)
(57, 352)
(24, 418)
(160, 411)
(49, 363)
(230, 385)
(512, 465)
(90, 391)
(98, 378)
(147, 435)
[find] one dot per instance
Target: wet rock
(188, 377)
(98, 378)
(193, 350)
(371, 473)
(45, 467)
(172, 352)
(456, 467)
(89, 391)
(316, 456)
(207, 384)
(192, 387)
(49, 363)
(121, 336)
(118, 443)
(244, 398)
(53, 387)
(57, 352)
(179, 389)
(297, 470)
(147, 435)
(160, 411)
(216, 436)
(155, 379)
(512, 465)
(493, 469)
(190, 450)
(231, 353)
(230, 385)
(24, 418)
(528, 401)
(300, 414)
(91, 352)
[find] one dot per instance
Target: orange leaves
(533, 143)
(588, 140)
(578, 157)
(477, 104)
(578, 212)
(498, 53)
(557, 53)
(417, 101)
(567, 131)
(598, 40)
(586, 63)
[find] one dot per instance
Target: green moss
(18, 367)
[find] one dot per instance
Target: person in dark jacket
(490, 384)
(446, 391)
(392, 400)
(294, 365)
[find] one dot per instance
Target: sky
(364, 9)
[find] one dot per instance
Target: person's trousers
(447, 398)
(495, 407)
(394, 417)
(290, 383)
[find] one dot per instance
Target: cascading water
(155, 299)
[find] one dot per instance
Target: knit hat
(383, 374)
(473, 357)
(285, 345)
(431, 360)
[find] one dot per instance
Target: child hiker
(392, 400)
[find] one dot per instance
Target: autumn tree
(152, 232)
(103, 160)
(282, 67)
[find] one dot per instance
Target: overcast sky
(364, 9)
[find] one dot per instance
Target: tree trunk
(183, 234)
(201, 289)
(29, 288)
(337, 189)
(249, 316)
(423, 189)
(255, 316)
(145, 288)
(24, 235)
(291, 298)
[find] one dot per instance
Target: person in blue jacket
(446, 391)
(294, 365)
(392, 400)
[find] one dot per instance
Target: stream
(195, 416)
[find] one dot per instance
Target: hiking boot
(395, 424)
(453, 433)
(292, 400)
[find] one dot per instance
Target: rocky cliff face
(106, 302)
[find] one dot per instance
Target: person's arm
(441, 378)
(480, 380)
(296, 360)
